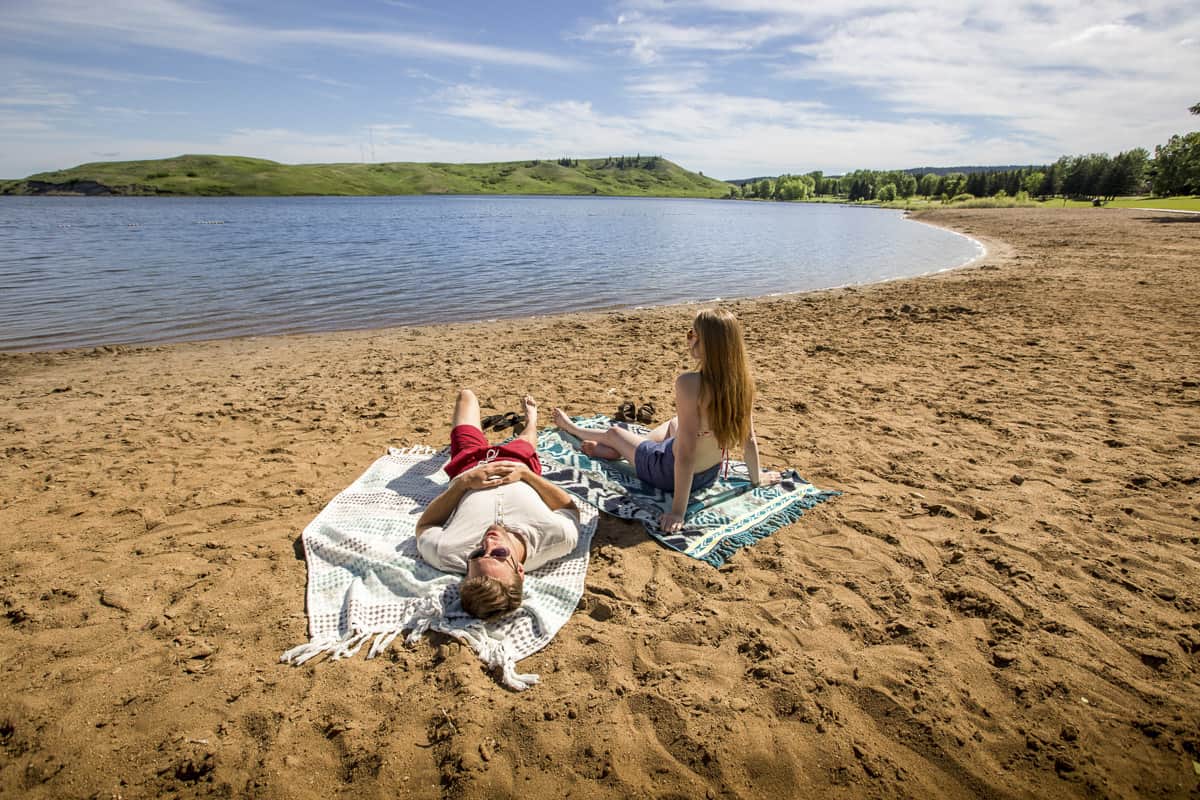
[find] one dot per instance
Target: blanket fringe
(382, 641)
(415, 450)
(336, 648)
(422, 620)
(428, 616)
(785, 516)
(350, 646)
(495, 653)
(298, 655)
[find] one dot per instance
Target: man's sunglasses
(498, 553)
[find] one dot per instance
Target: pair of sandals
(502, 422)
(644, 414)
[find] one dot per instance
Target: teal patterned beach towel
(720, 520)
(366, 579)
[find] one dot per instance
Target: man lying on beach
(498, 517)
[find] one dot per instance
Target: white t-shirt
(549, 535)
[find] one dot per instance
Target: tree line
(618, 162)
(1174, 170)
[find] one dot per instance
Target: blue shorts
(655, 464)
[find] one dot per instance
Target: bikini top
(724, 451)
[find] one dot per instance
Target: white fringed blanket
(365, 578)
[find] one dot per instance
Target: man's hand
(491, 475)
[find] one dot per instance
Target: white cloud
(1063, 77)
(730, 87)
(24, 93)
(24, 125)
(666, 83)
(51, 100)
(723, 135)
(649, 38)
(1102, 88)
(405, 45)
(15, 66)
(308, 76)
(124, 111)
(189, 27)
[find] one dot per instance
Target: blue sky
(733, 88)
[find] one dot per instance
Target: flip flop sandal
(645, 414)
(508, 420)
(489, 421)
(518, 426)
(625, 412)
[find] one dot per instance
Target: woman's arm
(758, 476)
(687, 411)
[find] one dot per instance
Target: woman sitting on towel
(714, 413)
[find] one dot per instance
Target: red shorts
(468, 447)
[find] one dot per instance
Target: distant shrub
(962, 198)
(192, 175)
(997, 202)
(156, 175)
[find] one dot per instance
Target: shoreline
(1001, 603)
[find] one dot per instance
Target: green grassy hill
(234, 175)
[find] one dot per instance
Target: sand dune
(1002, 604)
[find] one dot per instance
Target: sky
(731, 88)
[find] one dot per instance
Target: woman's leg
(664, 431)
(466, 410)
(659, 434)
(617, 440)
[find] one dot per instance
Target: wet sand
(1002, 604)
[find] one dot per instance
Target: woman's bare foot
(597, 450)
(564, 422)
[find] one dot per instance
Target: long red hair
(726, 388)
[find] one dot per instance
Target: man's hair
(486, 597)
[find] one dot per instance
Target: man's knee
(465, 396)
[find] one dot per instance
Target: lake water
(78, 272)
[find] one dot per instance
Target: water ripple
(87, 271)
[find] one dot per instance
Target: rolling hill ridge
(213, 175)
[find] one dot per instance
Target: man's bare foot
(597, 450)
(531, 411)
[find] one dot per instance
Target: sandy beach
(1003, 603)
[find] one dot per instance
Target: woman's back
(708, 450)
